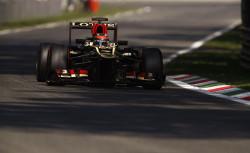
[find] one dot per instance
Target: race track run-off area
(35, 118)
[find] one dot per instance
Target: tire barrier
(245, 52)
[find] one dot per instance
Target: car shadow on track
(128, 111)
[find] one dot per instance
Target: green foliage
(218, 59)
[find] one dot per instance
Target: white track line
(190, 78)
(205, 83)
(200, 43)
(187, 86)
(179, 76)
(215, 87)
(142, 10)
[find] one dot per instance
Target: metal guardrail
(245, 52)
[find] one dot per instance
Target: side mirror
(122, 43)
(80, 41)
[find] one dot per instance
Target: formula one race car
(99, 60)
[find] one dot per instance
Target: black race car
(99, 60)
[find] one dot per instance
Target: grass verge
(105, 10)
(219, 59)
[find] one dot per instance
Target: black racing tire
(57, 59)
(138, 51)
(152, 63)
(42, 62)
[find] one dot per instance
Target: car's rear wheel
(42, 60)
(152, 63)
(57, 59)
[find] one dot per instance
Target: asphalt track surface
(35, 118)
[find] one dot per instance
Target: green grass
(105, 10)
(219, 59)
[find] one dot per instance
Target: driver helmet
(101, 39)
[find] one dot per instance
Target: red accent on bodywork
(142, 74)
(71, 71)
(83, 71)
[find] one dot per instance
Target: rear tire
(57, 59)
(42, 62)
(152, 63)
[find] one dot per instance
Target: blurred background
(36, 118)
(14, 10)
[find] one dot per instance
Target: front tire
(57, 59)
(42, 62)
(152, 63)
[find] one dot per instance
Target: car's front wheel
(152, 63)
(57, 59)
(42, 62)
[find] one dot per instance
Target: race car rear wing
(88, 25)
(99, 19)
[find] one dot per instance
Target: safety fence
(245, 52)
